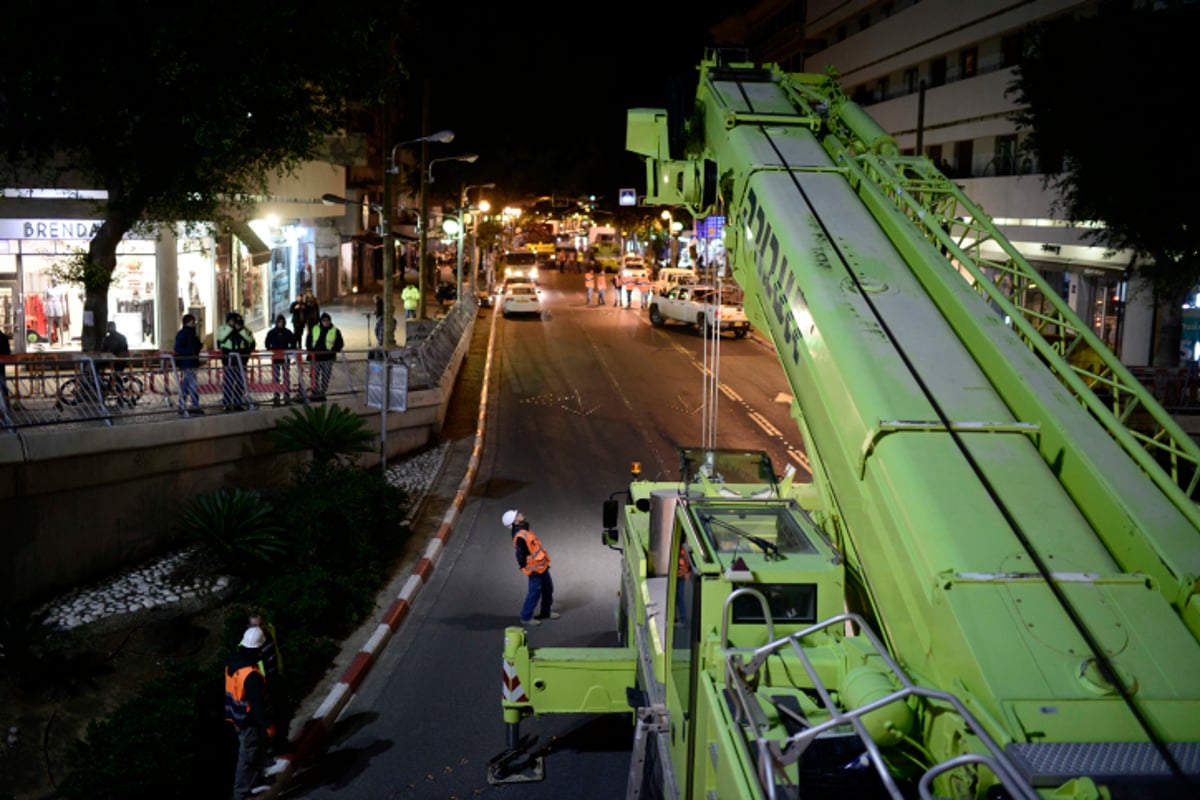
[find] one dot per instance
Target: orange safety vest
(237, 710)
(589, 280)
(600, 282)
(539, 559)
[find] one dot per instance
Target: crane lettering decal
(778, 282)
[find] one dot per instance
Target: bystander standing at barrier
(235, 343)
(187, 361)
(324, 342)
(5, 349)
(279, 340)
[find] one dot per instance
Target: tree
(1102, 98)
(181, 112)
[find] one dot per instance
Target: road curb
(314, 733)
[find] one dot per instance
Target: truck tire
(702, 328)
(656, 317)
(740, 333)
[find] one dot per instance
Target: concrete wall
(77, 504)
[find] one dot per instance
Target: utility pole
(421, 223)
(385, 222)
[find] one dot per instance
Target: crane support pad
(516, 764)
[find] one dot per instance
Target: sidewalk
(354, 316)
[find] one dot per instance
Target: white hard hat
(509, 517)
(253, 637)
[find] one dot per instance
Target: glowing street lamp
(389, 248)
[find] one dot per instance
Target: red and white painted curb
(315, 731)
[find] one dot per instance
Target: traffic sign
(627, 197)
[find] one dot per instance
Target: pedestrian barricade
(66, 389)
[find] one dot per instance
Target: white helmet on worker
(253, 638)
(509, 517)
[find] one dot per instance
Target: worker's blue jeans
(540, 585)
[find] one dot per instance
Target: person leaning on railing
(115, 344)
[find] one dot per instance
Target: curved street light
(389, 248)
(469, 158)
(462, 205)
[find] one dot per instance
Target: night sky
(540, 90)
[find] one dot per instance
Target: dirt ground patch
(85, 675)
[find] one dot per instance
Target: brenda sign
(79, 229)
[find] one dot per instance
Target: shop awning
(260, 252)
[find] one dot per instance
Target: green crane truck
(989, 586)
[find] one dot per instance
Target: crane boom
(1009, 524)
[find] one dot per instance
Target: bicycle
(116, 390)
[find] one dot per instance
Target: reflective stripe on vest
(539, 559)
(237, 710)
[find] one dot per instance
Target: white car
(520, 298)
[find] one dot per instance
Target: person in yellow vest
(589, 282)
(246, 709)
(324, 342)
(534, 561)
(411, 296)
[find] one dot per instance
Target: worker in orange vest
(589, 281)
(618, 285)
(246, 709)
(601, 285)
(644, 286)
(534, 561)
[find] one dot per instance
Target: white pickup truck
(696, 305)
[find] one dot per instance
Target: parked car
(674, 276)
(520, 298)
(696, 305)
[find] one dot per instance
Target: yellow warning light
(636, 469)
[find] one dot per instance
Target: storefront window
(196, 286)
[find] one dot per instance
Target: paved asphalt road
(575, 397)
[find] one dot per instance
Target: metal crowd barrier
(60, 389)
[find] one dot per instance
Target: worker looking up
(534, 561)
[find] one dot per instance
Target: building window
(937, 71)
(1011, 47)
(964, 156)
(864, 22)
(883, 89)
(839, 35)
(968, 62)
(910, 80)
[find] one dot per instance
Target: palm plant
(234, 527)
(333, 433)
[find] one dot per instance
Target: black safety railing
(77, 389)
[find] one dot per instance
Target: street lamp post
(469, 158)
(391, 168)
(462, 205)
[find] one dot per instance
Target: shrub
(169, 741)
(235, 528)
(343, 518)
(334, 434)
